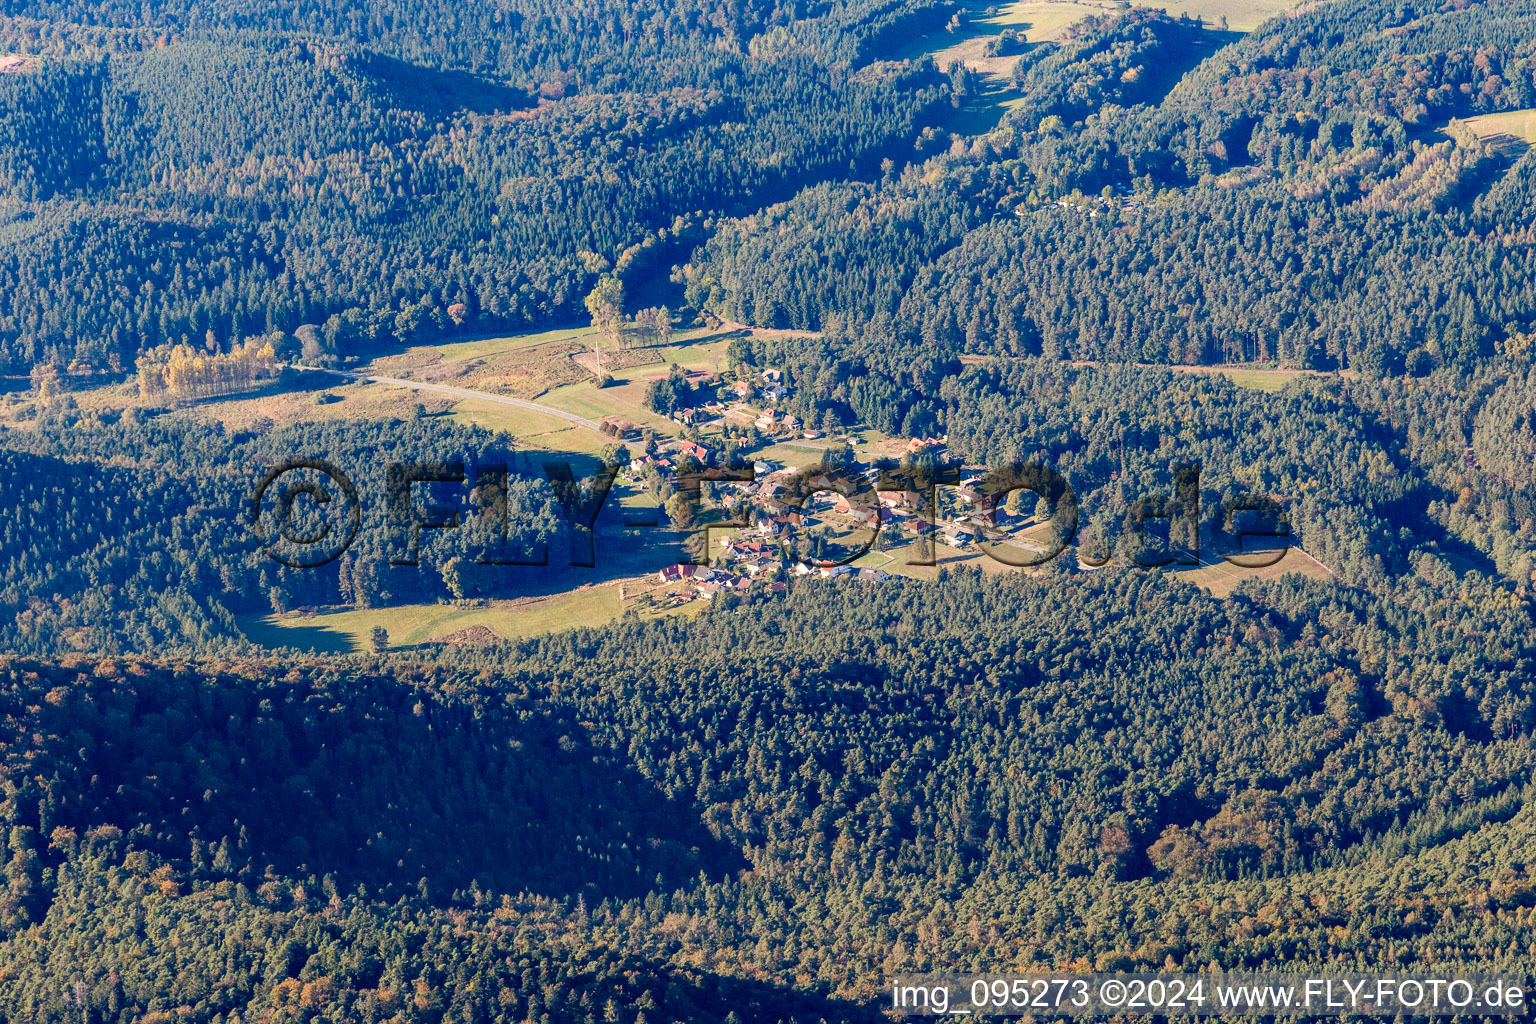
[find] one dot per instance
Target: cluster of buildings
(758, 552)
(704, 583)
(751, 576)
(751, 401)
(756, 560)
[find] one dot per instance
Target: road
(443, 389)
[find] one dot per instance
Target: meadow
(1519, 125)
(1222, 577)
(409, 625)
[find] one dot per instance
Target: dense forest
(844, 785)
(227, 175)
(156, 550)
(765, 811)
(1291, 198)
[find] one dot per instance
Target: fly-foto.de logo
(307, 512)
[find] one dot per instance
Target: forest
(1246, 214)
(196, 177)
(701, 813)
(1294, 258)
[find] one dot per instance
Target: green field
(1241, 15)
(348, 631)
(1256, 378)
(1043, 20)
(481, 347)
(532, 429)
(898, 560)
(1223, 577)
(626, 400)
(625, 397)
(791, 454)
(1517, 124)
(1259, 380)
(1036, 20)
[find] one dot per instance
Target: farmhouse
(684, 571)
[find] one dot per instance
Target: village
(810, 521)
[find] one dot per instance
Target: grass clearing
(1223, 577)
(1044, 20)
(1514, 124)
(898, 561)
(295, 402)
(531, 429)
(481, 347)
(625, 397)
(788, 453)
(1259, 377)
(1241, 15)
(625, 400)
(1259, 380)
(348, 631)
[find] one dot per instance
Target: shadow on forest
(701, 995)
(441, 93)
(370, 780)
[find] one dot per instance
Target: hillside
(667, 802)
(531, 513)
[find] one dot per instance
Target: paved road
(443, 389)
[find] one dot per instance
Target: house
(775, 393)
(698, 451)
(773, 376)
(755, 565)
(684, 571)
(864, 514)
(743, 390)
(959, 536)
(973, 496)
(737, 548)
(769, 421)
(830, 571)
(874, 575)
(762, 467)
